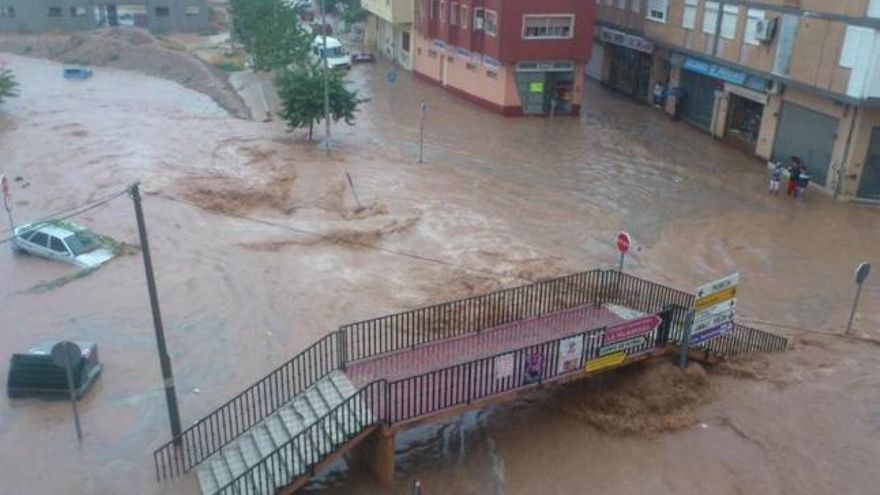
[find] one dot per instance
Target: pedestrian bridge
(359, 385)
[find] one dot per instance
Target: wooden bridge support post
(377, 452)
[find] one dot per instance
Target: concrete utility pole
(327, 144)
(164, 359)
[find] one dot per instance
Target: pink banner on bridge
(632, 328)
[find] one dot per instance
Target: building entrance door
(869, 186)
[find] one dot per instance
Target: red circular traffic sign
(623, 242)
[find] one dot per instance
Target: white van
(337, 56)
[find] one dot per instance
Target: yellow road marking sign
(605, 361)
(715, 298)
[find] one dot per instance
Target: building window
(547, 26)
(635, 6)
(442, 11)
(162, 12)
(453, 14)
(710, 17)
(77, 12)
(689, 15)
(479, 19)
(54, 11)
(728, 19)
(193, 10)
(751, 34)
(7, 11)
(404, 41)
(463, 15)
(491, 25)
(433, 12)
(621, 4)
(657, 10)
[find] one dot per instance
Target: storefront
(630, 62)
(745, 112)
(807, 134)
(546, 87)
(707, 90)
(869, 186)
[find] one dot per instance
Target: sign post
(623, 243)
(712, 314)
(66, 354)
(862, 272)
(422, 110)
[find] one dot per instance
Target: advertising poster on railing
(504, 366)
(570, 351)
(534, 368)
(623, 341)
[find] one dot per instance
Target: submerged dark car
(33, 374)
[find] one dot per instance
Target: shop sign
(534, 369)
(491, 64)
(463, 52)
(624, 345)
(438, 45)
(504, 366)
(626, 40)
(630, 329)
(536, 87)
(605, 362)
(570, 351)
(724, 73)
(545, 66)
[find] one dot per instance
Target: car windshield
(80, 244)
(335, 51)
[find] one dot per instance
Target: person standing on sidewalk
(775, 178)
(794, 172)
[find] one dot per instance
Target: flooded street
(260, 248)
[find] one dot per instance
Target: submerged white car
(62, 241)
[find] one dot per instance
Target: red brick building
(515, 57)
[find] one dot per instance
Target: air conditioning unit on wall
(765, 29)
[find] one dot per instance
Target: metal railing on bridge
(417, 327)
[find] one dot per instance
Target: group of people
(798, 179)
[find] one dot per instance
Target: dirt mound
(131, 49)
(639, 401)
(232, 196)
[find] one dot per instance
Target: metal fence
(406, 330)
(302, 453)
(239, 414)
(428, 393)
(742, 340)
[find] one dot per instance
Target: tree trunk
(311, 125)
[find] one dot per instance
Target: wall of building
(33, 15)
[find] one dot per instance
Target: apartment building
(390, 28)
(514, 57)
(775, 78)
(38, 16)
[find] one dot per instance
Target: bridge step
(307, 421)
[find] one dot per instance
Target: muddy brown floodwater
(232, 205)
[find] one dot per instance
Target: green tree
(271, 32)
(8, 85)
(301, 90)
(352, 12)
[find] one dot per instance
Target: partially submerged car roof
(33, 374)
(51, 228)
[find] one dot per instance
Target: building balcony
(393, 11)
